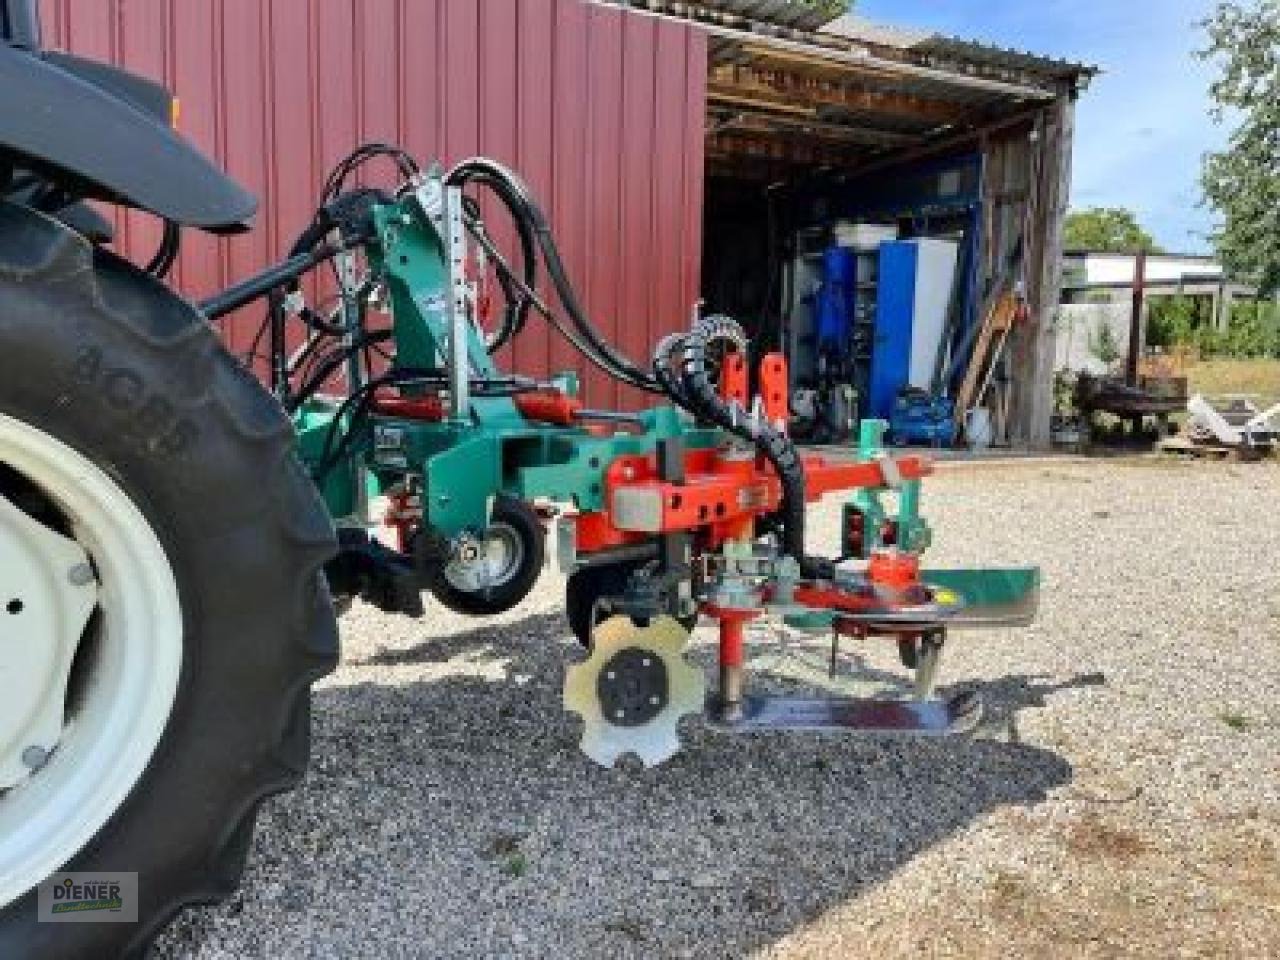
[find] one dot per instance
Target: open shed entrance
(886, 208)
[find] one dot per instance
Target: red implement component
(543, 406)
(893, 568)
(721, 495)
(404, 515)
(733, 623)
(549, 406)
(774, 389)
(426, 407)
(734, 386)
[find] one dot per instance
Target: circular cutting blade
(633, 689)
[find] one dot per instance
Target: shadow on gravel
(455, 817)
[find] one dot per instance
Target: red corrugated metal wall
(601, 111)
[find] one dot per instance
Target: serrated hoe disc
(633, 689)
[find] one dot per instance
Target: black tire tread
(182, 335)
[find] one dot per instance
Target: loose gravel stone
(1123, 797)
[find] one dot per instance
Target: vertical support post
(674, 549)
(1032, 409)
(1135, 319)
(279, 346)
(732, 660)
(348, 291)
(455, 240)
(871, 438)
(909, 504)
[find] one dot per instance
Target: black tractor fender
(98, 132)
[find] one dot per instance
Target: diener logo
(88, 898)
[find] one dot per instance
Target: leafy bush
(1253, 330)
(1102, 344)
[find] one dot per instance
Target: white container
(977, 428)
(863, 236)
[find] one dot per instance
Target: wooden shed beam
(792, 150)
(786, 90)
(789, 126)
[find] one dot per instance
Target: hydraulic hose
(690, 354)
(528, 216)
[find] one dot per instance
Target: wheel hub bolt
(81, 575)
(35, 757)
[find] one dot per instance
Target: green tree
(832, 8)
(1242, 183)
(1172, 321)
(1102, 344)
(1108, 229)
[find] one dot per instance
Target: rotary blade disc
(633, 689)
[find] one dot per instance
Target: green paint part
(987, 587)
(810, 621)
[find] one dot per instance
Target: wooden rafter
(784, 89)
(787, 150)
(787, 125)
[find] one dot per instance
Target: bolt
(620, 714)
(35, 757)
(645, 662)
(81, 575)
(611, 675)
(654, 699)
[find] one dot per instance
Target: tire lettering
(123, 389)
(88, 364)
(154, 421)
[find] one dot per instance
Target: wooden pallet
(1186, 447)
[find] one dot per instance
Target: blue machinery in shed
(945, 195)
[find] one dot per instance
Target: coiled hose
(682, 360)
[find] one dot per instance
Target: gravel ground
(1123, 798)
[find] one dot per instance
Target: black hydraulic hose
(332, 364)
(167, 253)
(666, 376)
(516, 292)
(776, 446)
(525, 211)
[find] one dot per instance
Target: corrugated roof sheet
(780, 13)
(941, 47)
(784, 13)
(971, 51)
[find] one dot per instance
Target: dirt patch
(1091, 837)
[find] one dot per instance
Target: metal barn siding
(601, 110)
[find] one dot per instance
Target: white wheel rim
(497, 561)
(123, 706)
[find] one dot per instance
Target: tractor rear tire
(124, 382)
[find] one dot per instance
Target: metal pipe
(259, 285)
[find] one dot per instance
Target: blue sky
(1142, 127)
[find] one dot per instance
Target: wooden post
(1055, 194)
(1135, 319)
